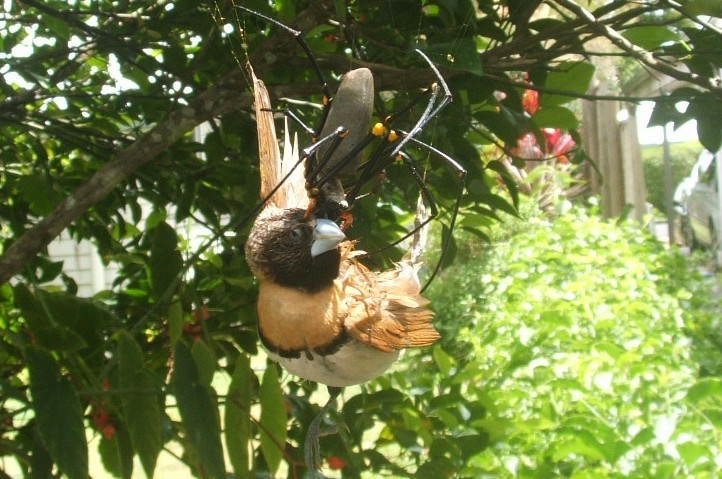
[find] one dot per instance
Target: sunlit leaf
(703, 7)
(273, 419)
(443, 361)
(650, 37)
(237, 419)
(63, 434)
(555, 117)
(141, 402)
(704, 390)
(572, 77)
(198, 411)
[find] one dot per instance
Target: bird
(322, 314)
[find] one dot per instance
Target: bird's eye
(297, 234)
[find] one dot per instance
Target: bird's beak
(326, 236)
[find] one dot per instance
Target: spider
(335, 173)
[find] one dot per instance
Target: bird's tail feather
(274, 168)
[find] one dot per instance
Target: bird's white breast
(353, 363)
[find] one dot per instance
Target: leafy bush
(683, 156)
(577, 359)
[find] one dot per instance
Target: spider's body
(351, 110)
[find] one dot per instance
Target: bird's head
(292, 251)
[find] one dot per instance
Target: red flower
(551, 135)
(103, 422)
(530, 101)
(558, 144)
(109, 431)
(336, 463)
(565, 143)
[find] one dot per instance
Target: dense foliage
(591, 351)
(99, 102)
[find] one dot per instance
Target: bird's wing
(275, 169)
(385, 310)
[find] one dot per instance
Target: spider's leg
(435, 104)
(429, 198)
(461, 173)
(298, 36)
(288, 112)
(376, 163)
(330, 143)
(352, 108)
(432, 108)
(426, 194)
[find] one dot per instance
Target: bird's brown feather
(382, 310)
(292, 321)
(385, 310)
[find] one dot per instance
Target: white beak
(326, 236)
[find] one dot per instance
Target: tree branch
(645, 57)
(228, 95)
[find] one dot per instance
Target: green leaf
(555, 117)
(704, 390)
(712, 8)
(650, 37)
(238, 416)
(175, 321)
(199, 413)
(664, 112)
(83, 316)
(273, 419)
(206, 362)
(581, 444)
(435, 468)
(450, 250)
(165, 261)
(572, 77)
(709, 131)
(41, 464)
(505, 126)
(58, 414)
(38, 192)
(44, 328)
(443, 361)
(497, 202)
(49, 270)
(140, 402)
(693, 454)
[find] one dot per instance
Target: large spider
(348, 153)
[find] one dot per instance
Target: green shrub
(683, 156)
(577, 350)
